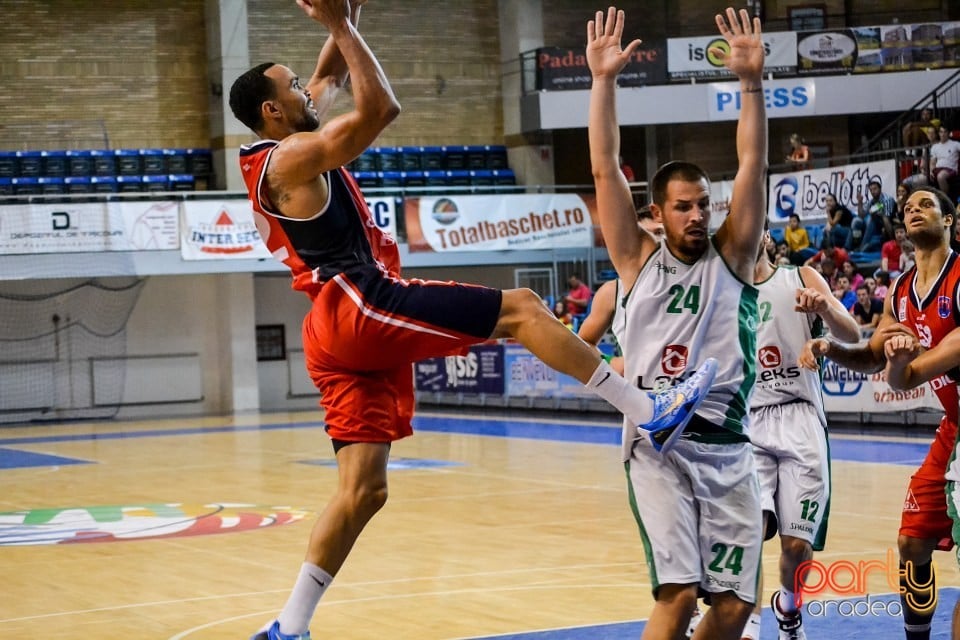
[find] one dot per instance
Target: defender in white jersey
(788, 426)
(690, 298)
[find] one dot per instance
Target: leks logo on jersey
(674, 359)
(943, 306)
(769, 357)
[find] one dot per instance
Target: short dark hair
(249, 92)
(644, 213)
(676, 170)
(947, 208)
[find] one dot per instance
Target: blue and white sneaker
(673, 408)
(273, 633)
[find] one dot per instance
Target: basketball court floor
(511, 526)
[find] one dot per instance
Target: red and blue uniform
(366, 325)
(931, 319)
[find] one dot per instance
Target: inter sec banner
(216, 230)
(77, 227)
(497, 222)
(805, 192)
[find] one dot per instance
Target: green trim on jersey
(820, 536)
(647, 549)
(748, 322)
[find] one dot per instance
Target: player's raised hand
(327, 12)
(605, 57)
(811, 301)
(744, 53)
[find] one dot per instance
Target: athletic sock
(919, 592)
(787, 601)
(614, 388)
(751, 630)
(311, 584)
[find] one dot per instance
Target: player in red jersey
(367, 325)
(923, 306)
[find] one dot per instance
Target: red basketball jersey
(931, 319)
(343, 234)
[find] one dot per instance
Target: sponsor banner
(720, 193)
(906, 47)
(480, 371)
(563, 68)
(527, 376)
(384, 211)
(805, 192)
(783, 98)
(826, 52)
(75, 227)
(498, 222)
(691, 57)
(213, 230)
(849, 391)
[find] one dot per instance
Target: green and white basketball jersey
(781, 336)
(678, 315)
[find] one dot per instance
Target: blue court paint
(836, 620)
(394, 464)
(904, 453)
(15, 459)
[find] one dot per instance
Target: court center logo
(116, 523)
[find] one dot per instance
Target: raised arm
(627, 245)
(331, 72)
(302, 157)
(601, 313)
(817, 298)
(739, 236)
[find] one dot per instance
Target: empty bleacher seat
(175, 161)
(431, 158)
(435, 178)
(26, 185)
(388, 159)
(480, 179)
(412, 179)
(79, 163)
(496, 157)
(504, 177)
(367, 179)
(777, 234)
(181, 182)
(455, 157)
(53, 163)
(77, 184)
(128, 162)
(29, 164)
(6, 186)
(104, 162)
(458, 178)
(815, 233)
(411, 158)
(129, 184)
(156, 183)
(199, 162)
(8, 164)
(366, 161)
(476, 157)
(390, 179)
(152, 161)
(51, 185)
(103, 184)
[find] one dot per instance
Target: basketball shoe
(790, 623)
(673, 408)
(273, 633)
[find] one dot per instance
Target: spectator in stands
(627, 170)
(561, 313)
(578, 298)
(944, 162)
(836, 255)
(798, 241)
(874, 219)
(891, 250)
(770, 248)
(849, 269)
(921, 132)
(844, 293)
(828, 269)
(870, 283)
(799, 156)
(836, 233)
(883, 284)
(867, 309)
(908, 256)
(904, 190)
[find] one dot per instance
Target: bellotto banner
(498, 222)
(560, 68)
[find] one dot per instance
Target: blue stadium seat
(51, 185)
(79, 163)
(128, 162)
(152, 162)
(815, 233)
(175, 161)
(496, 157)
(367, 179)
(77, 184)
(103, 184)
(26, 185)
(155, 183)
(29, 164)
(777, 234)
(411, 158)
(6, 186)
(199, 162)
(390, 179)
(9, 166)
(53, 163)
(431, 158)
(366, 161)
(129, 184)
(458, 178)
(455, 158)
(388, 159)
(104, 162)
(181, 182)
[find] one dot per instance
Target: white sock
(311, 584)
(787, 601)
(751, 631)
(627, 399)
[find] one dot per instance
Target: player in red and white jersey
(367, 324)
(921, 309)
